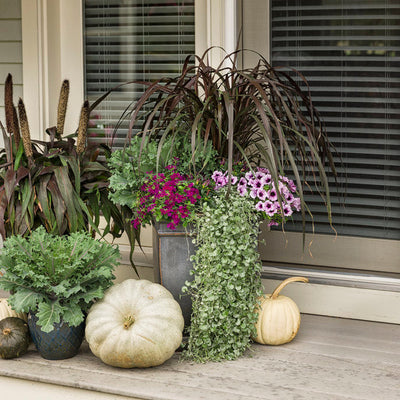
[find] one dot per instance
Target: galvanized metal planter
(172, 250)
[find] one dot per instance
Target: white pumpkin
(136, 324)
(278, 316)
(6, 311)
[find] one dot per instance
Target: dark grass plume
(82, 128)
(8, 102)
(259, 116)
(25, 133)
(62, 107)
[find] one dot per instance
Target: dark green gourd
(14, 337)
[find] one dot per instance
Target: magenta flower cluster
(260, 187)
(167, 196)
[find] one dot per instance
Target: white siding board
(10, 30)
(10, 9)
(11, 52)
(15, 69)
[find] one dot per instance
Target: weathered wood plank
(329, 359)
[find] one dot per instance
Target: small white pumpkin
(6, 311)
(278, 316)
(136, 324)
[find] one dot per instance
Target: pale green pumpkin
(136, 324)
(6, 311)
(278, 316)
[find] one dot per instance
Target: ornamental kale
(168, 196)
(273, 204)
(56, 276)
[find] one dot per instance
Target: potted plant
(226, 265)
(60, 184)
(166, 199)
(56, 279)
(224, 115)
(257, 116)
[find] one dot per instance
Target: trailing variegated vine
(227, 279)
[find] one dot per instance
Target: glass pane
(349, 52)
(131, 40)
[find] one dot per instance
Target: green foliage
(130, 167)
(258, 115)
(48, 183)
(56, 276)
(60, 190)
(227, 280)
(128, 170)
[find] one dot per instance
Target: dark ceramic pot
(171, 251)
(62, 342)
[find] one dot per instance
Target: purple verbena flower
(257, 184)
(242, 182)
(272, 223)
(272, 195)
(259, 175)
(253, 193)
(242, 190)
(266, 179)
(296, 204)
(249, 175)
(262, 194)
(260, 206)
(216, 175)
(287, 211)
(289, 197)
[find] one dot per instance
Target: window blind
(131, 40)
(349, 51)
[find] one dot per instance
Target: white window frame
(52, 50)
(52, 34)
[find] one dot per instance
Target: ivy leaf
(48, 315)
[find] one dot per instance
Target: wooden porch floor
(331, 358)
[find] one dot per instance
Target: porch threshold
(331, 358)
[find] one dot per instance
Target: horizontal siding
(10, 30)
(10, 9)
(10, 50)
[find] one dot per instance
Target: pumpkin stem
(276, 292)
(6, 331)
(128, 321)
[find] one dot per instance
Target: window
(131, 40)
(349, 51)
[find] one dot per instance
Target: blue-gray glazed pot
(62, 342)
